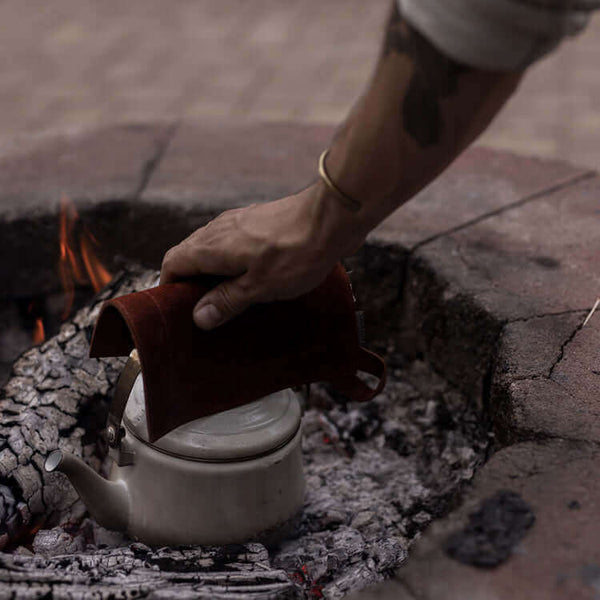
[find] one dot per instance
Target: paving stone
(548, 384)
(461, 289)
(479, 182)
(442, 293)
(578, 370)
(218, 165)
(536, 259)
(77, 63)
(558, 559)
(446, 324)
(94, 166)
(530, 348)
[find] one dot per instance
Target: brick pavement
(82, 63)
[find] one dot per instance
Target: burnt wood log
(234, 572)
(57, 397)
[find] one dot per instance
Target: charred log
(136, 571)
(57, 397)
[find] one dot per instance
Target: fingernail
(207, 317)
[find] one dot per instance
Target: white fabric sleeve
(497, 34)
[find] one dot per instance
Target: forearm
(421, 109)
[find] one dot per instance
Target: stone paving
(497, 268)
(71, 64)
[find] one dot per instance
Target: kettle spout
(107, 501)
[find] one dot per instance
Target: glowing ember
(70, 263)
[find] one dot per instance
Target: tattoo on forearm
(434, 76)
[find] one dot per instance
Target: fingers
(224, 302)
(176, 264)
(189, 259)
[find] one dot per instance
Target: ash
(377, 475)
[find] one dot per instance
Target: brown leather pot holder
(189, 373)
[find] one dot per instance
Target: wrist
(366, 165)
(337, 230)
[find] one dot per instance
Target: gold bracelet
(347, 201)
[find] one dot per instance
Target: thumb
(221, 304)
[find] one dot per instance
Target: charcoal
(56, 397)
(493, 530)
(57, 541)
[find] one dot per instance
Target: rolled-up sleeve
(497, 34)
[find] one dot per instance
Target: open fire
(39, 334)
(78, 265)
(31, 319)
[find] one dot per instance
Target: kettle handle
(114, 431)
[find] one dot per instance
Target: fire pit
(377, 474)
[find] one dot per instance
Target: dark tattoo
(434, 76)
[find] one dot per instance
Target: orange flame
(97, 272)
(69, 265)
(39, 335)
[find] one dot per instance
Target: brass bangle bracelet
(347, 201)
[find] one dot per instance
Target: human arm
(420, 110)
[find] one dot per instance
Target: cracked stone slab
(547, 379)
(559, 557)
(479, 182)
(217, 166)
(537, 258)
(528, 274)
(531, 347)
(88, 166)
(578, 369)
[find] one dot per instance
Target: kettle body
(173, 500)
(227, 478)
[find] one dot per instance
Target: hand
(272, 251)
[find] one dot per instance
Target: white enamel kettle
(227, 478)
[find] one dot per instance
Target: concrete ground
(81, 63)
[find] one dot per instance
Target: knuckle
(228, 301)
(169, 257)
(208, 228)
(250, 290)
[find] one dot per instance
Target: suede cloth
(189, 373)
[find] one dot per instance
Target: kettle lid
(240, 433)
